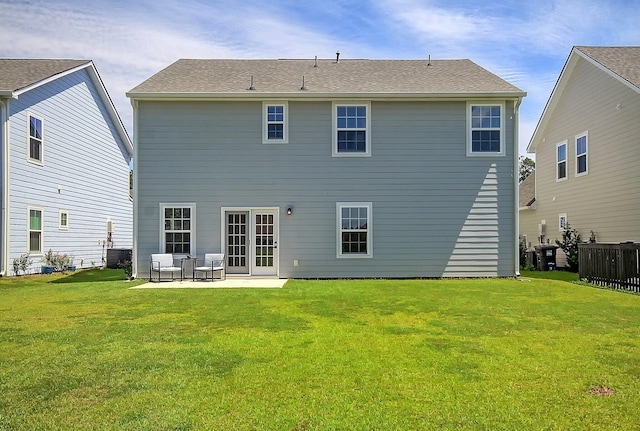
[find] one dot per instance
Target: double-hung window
(275, 127)
(581, 154)
(561, 161)
(178, 225)
(354, 229)
(486, 128)
(63, 219)
(562, 222)
(351, 124)
(35, 139)
(35, 230)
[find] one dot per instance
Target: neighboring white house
(587, 146)
(65, 159)
(329, 168)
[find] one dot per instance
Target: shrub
(569, 244)
(60, 262)
(127, 267)
(22, 263)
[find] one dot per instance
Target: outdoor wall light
(289, 211)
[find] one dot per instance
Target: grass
(490, 354)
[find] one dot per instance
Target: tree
(527, 166)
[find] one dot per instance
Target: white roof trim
(104, 95)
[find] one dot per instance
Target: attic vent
(251, 87)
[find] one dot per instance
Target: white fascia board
(111, 109)
(252, 95)
(568, 67)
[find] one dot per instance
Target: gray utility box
(115, 255)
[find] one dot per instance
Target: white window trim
(265, 122)
(192, 231)
(334, 130)
(566, 220)
(60, 225)
(29, 209)
(502, 151)
(586, 153)
(29, 159)
(339, 254)
(566, 161)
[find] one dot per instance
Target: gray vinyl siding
(83, 154)
(420, 182)
(607, 199)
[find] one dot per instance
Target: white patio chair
(163, 262)
(212, 262)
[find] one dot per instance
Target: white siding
(84, 156)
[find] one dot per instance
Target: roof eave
(302, 94)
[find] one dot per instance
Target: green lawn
(80, 353)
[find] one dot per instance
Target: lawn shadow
(91, 275)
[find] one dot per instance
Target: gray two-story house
(328, 168)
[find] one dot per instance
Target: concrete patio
(231, 282)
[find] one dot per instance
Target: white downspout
(134, 256)
(4, 218)
(516, 187)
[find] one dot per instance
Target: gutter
(4, 218)
(134, 253)
(516, 188)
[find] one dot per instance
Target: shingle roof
(16, 74)
(624, 61)
(410, 77)
(527, 190)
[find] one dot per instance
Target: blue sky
(524, 42)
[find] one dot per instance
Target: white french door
(251, 241)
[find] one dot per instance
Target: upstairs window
(581, 154)
(486, 126)
(35, 139)
(351, 136)
(178, 229)
(275, 123)
(561, 161)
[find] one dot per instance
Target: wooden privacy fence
(612, 265)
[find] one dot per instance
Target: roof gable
(622, 63)
(314, 78)
(18, 76)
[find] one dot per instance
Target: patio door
(237, 239)
(265, 243)
(251, 242)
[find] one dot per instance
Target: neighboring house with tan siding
(587, 147)
(327, 168)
